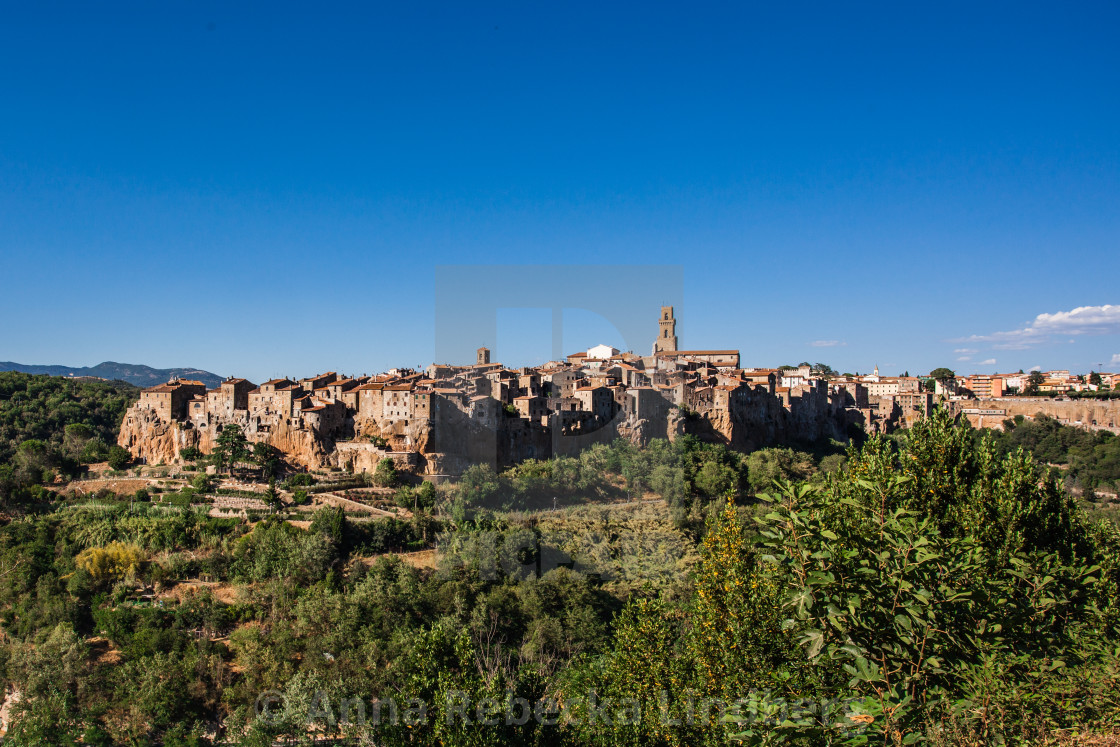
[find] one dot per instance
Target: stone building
(312, 383)
(666, 332)
(169, 401)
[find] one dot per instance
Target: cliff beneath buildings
(1088, 413)
(156, 441)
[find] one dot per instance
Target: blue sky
(269, 189)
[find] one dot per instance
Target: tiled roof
(274, 382)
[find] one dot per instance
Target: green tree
(425, 495)
(1034, 383)
(119, 457)
(386, 473)
(94, 450)
(75, 437)
(331, 522)
(942, 374)
(33, 459)
(268, 458)
(231, 448)
(764, 466)
(272, 496)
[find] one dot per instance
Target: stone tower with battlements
(667, 332)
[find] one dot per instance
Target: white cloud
(1084, 320)
(827, 343)
(989, 362)
(1034, 368)
(965, 358)
(966, 351)
(1116, 360)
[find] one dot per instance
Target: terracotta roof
(191, 382)
(274, 382)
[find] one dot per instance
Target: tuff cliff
(156, 441)
(452, 440)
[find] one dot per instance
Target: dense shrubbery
(935, 590)
(937, 586)
(64, 414)
(50, 426)
(1092, 457)
(688, 474)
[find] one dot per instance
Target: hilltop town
(439, 421)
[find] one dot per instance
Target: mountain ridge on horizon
(133, 373)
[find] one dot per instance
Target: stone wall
(1088, 413)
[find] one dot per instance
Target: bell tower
(667, 332)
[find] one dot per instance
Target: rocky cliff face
(1087, 413)
(761, 420)
(155, 441)
(150, 439)
(454, 441)
(415, 436)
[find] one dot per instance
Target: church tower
(483, 356)
(667, 332)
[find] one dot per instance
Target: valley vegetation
(941, 586)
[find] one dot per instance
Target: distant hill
(143, 376)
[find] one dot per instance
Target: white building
(601, 352)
